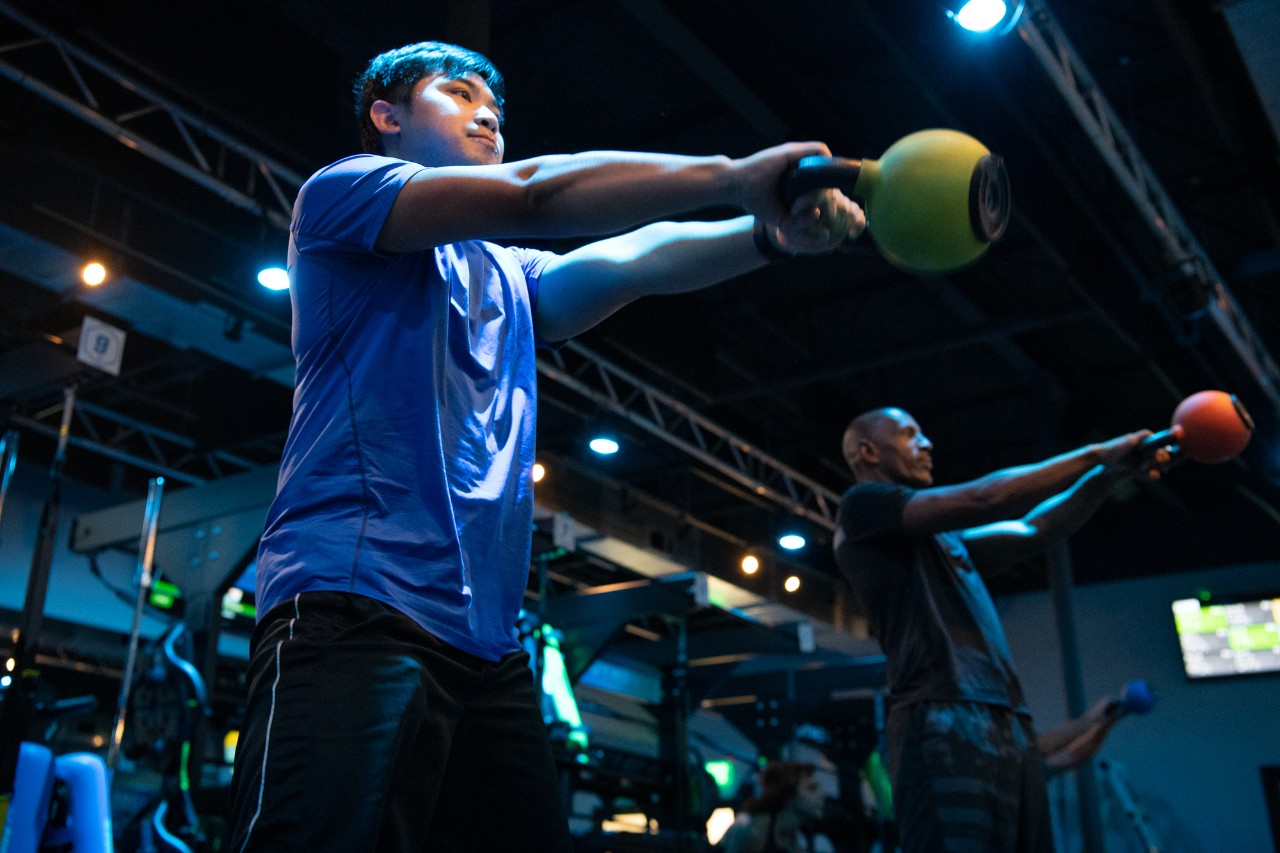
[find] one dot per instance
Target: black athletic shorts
(363, 732)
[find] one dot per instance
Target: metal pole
(9, 452)
(16, 713)
(1062, 584)
(42, 560)
(680, 680)
(1132, 811)
(146, 550)
(14, 723)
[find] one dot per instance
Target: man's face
(448, 122)
(906, 455)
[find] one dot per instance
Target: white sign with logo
(101, 345)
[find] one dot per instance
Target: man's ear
(868, 452)
(384, 116)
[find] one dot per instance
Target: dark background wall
(1193, 763)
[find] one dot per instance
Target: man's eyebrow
(475, 90)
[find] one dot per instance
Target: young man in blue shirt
(390, 705)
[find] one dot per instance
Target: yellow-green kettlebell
(935, 201)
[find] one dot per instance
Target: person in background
(1062, 748)
(779, 820)
(1073, 743)
(965, 762)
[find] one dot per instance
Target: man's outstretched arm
(1010, 492)
(997, 545)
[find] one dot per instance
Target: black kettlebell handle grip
(817, 172)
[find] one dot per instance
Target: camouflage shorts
(967, 779)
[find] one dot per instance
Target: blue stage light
(274, 278)
(985, 16)
(791, 541)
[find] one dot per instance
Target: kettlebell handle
(817, 172)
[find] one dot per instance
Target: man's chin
(476, 156)
(483, 155)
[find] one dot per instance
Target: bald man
(966, 771)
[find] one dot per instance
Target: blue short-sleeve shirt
(406, 472)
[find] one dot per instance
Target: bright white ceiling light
(603, 445)
(791, 541)
(984, 16)
(274, 278)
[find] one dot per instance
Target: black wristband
(766, 247)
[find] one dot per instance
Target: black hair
(390, 75)
(778, 784)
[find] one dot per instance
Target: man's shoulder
(346, 202)
(872, 509)
(875, 491)
(355, 166)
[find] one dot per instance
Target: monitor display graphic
(1223, 638)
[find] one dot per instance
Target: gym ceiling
(166, 139)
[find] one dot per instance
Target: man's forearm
(1077, 740)
(611, 190)
(1019, 489)
(590, 283)
(1066, 512)
(554, 196)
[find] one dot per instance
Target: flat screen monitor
(239, 602)
(1221, 637)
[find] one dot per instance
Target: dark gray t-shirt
(927, 604)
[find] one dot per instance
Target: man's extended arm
(589, 194)
(1009, 492)
(996, 545)
(602, 192)
(588, 284)
(1077, 740)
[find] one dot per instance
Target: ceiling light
(791, 584)
(750, 564)
(604, 445)
(274, 278)
(791, 541)
(986, 16)
(603, 437)
(93, 274)
(538, 472)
